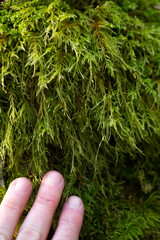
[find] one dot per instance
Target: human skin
(37, 224)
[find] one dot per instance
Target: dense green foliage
(80, 93)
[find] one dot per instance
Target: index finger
(13, 205)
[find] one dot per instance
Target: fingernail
(22, 185)
(74, 202)
(53, 178)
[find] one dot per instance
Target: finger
(39, 219)
(70, 221)
(13, 205)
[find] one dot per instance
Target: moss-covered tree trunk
(80, 93)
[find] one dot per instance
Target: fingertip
(75, 202)
(22, 185)
(53, 178)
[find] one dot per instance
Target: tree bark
(1, 173)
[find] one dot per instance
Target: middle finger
(39, 219)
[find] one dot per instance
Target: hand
(37, 224)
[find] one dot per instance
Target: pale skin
(37, 224)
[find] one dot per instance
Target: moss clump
(80, 93)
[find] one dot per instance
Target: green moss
(80, 93)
